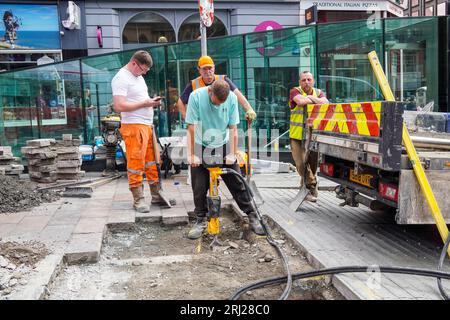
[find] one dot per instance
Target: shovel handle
(249, 146)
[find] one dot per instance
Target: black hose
(269, 238)
(441, 263)
(352, 269)
(345, 269)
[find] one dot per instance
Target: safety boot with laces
(197, 229)
(156, 197)
(139, 201)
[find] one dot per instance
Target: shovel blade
(299, 198)
(78, 192)
(167, 201)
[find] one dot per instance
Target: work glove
(250, 114)
(230, 159)
(194, 161)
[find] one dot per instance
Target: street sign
(311, 15)
(206, 8)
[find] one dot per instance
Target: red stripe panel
(351, 118)
(336, 128)
(327, 116)
(314, 114)
(372, 120)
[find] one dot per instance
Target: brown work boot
(156, 197)
(139, 201)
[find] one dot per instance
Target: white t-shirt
(134, 89)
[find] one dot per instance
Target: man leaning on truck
(299, 97)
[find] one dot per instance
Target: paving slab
(30, 226)
(174, 216)
(12, 217)
(154, 216)
(84, 248)
(90, 225)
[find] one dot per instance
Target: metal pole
(83, 102)
(203, 39)
(98, 108)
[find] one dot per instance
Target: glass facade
(72, 96)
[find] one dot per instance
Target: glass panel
(412, 57)
(441, 9)
(429, 11)
(18, 116)
(274, 61)
(345, 73)
(41, 102)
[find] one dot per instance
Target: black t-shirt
(187, 91)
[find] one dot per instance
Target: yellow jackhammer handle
(412, 154)
(213, 223)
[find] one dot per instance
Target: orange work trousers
(140, 155)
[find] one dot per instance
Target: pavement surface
(328, 234)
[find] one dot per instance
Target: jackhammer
(111, 138)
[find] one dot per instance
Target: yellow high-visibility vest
(296, 121)
(199, 83)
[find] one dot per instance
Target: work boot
(156, 197)
(310, 198)
(255, 224)
(197, 229)
(139, 204)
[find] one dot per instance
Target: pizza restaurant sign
(355, 6)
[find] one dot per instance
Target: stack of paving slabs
(68, 162)
(41, 156)
(9, 165)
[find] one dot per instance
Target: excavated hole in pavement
(156, 262)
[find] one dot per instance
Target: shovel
(252, 185)
(303, 192)
(169, 202)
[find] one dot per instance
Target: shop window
(429, 11)
(147, 27)
(441, 9)
(190, 29)
(414, 3)
(415, 13)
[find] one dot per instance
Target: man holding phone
(131, 99)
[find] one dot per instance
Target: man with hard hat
(206, 68)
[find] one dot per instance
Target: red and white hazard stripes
(359, 118)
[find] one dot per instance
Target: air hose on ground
(330, 271)
(269, 238)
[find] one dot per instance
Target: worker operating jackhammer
(212, 119)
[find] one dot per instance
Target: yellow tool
(213, 201)
(412, 154)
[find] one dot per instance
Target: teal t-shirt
(214, 120)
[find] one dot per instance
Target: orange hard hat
(205, 61)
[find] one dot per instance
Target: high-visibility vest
(296, 121)
(199, 83)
